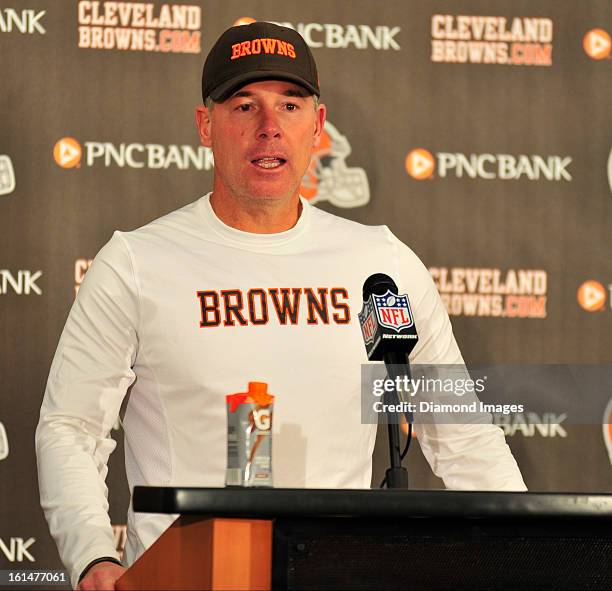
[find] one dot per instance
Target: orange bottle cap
(258, 388)
(257, 393)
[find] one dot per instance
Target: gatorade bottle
(249, 437)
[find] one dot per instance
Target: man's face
(262, 139)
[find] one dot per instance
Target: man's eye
(291, 107)
(245, 107)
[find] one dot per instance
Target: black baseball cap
(259, 51)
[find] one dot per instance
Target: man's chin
(271, 193)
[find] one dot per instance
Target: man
(249, 283)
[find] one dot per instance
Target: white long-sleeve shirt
(186, 310)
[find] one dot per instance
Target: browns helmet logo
(7, 175)
(4, 447)
(328, 178)
(244, 20)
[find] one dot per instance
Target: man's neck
(256, 216)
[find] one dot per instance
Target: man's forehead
(280, 87)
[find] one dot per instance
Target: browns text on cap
(259, 51)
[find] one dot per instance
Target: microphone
(390, 335)
(387, 322)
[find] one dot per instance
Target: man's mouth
(269, 162)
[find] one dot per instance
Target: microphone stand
(396, 475)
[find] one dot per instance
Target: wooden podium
(258, 539)
(206, 553)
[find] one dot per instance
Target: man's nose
(269, 126)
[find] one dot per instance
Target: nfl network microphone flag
(387, 324)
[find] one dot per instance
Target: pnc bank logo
(336, 36)
(592, 296)
(17, 549)
(26, 21)
(531, 424)
(421, 164)
(69, 153)
(597, 44)
(23, 282)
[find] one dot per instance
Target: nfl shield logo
(393, 311)
(368, 322)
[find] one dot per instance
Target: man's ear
(319, 123)
(203, 123)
